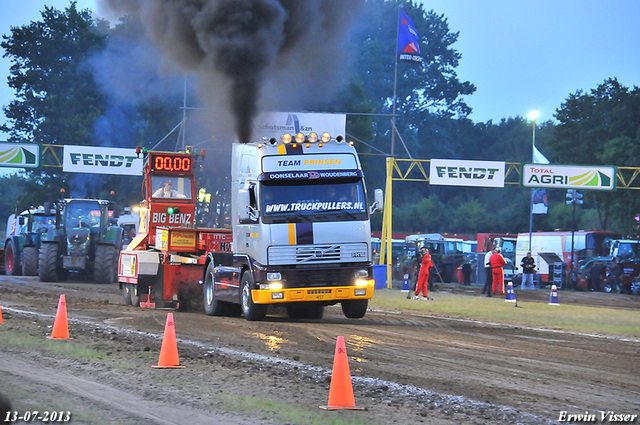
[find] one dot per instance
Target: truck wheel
(135, 295)
(11, 260)
(30, 261)
(105, 264)
(126, 293)
(354, 309)
(48, 262)
(212, 305)
(252, 312)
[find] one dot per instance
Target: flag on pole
(540, 203)
(408, 40)
(538, 158)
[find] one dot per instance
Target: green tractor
(83, 240)
(23, 240)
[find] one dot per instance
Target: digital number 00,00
(173, 164)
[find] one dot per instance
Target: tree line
(83, 81)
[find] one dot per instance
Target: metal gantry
(417, 170)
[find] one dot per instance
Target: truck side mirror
(378, 204)
(246, 212)
(21, 220)
(243, 205)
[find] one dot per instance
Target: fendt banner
(584, 177)
(101, 160)
(458, 172)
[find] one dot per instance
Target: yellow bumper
(328, 293)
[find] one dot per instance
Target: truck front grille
(318, 254)
(316, 278)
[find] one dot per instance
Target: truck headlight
(274, 285)
(365, 282)
(360, 292)
(277, 296)
(361, 273)
(274, 276)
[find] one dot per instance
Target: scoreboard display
(170, 163)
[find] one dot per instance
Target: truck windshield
(321, 201)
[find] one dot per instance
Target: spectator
(528, 265)
(487, 269)
(615, 273)
(595, 276)
(466, 274)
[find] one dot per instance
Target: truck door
(248, 229)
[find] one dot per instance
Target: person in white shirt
(489, 273)
(167, 191)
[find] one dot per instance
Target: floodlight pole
(533, 159)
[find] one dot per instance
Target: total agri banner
(101, 160)
(275, 124)
(584, 177)
(458, 172)
(20, 155)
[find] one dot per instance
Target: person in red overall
(497, 263)
(423, 275)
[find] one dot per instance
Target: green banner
(20, 155)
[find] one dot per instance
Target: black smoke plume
(295, 49)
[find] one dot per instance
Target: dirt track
(406, 367)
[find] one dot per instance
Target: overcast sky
(521, 56)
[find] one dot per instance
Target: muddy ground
(406, 367)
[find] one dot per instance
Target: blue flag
(540, 204)
(408, 46)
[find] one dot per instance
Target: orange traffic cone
(1, 315)
(340, 390)
(60, 326)
(169, 349)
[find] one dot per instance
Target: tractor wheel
(30, 261)
(11, 260)
(252, 312)
(48, 262)
(105, 264)
(354, 309)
